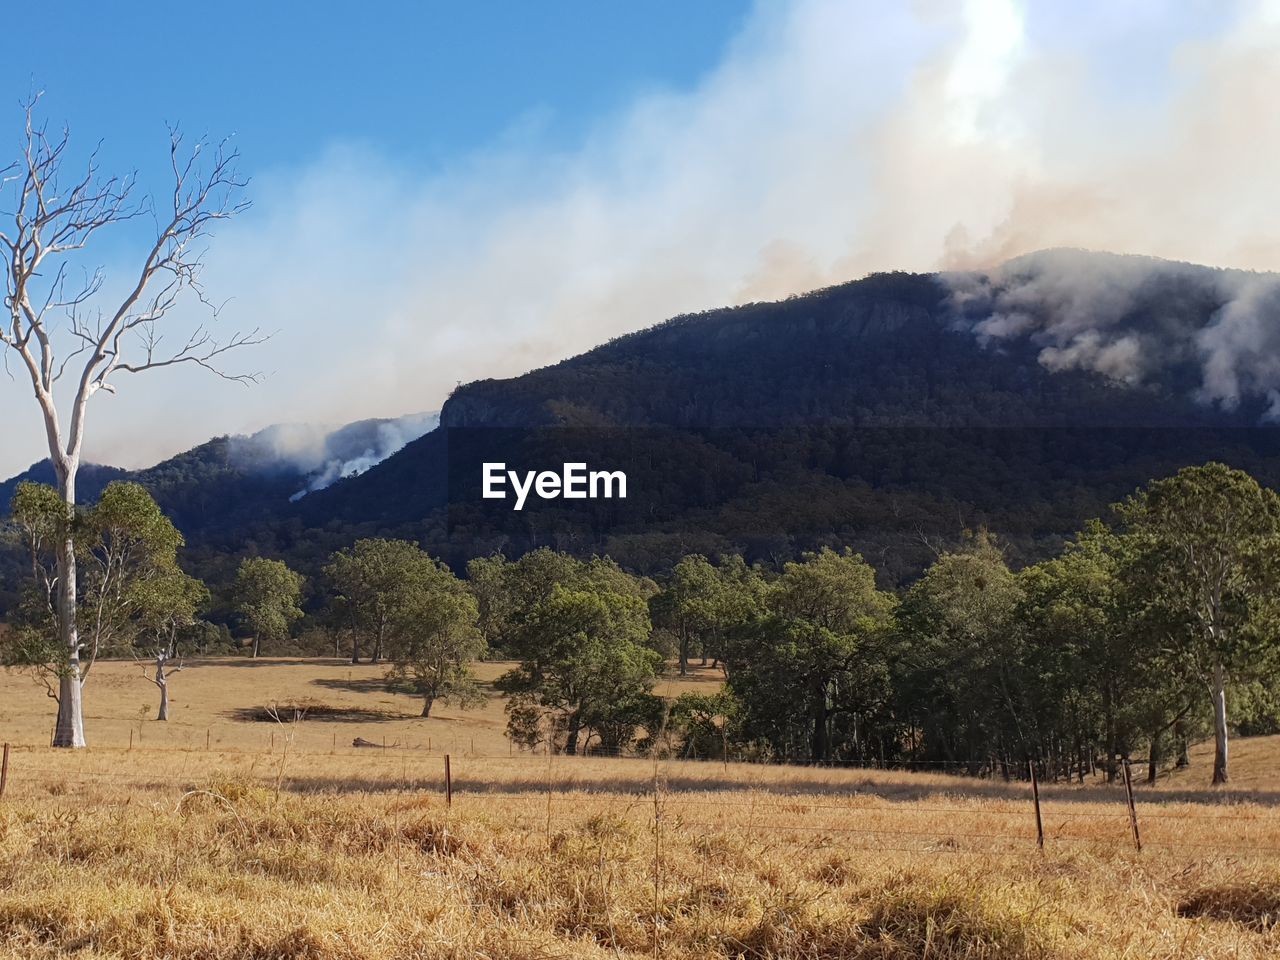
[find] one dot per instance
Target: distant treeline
(1141, 635)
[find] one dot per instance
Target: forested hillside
(880, 413)
(890, 414)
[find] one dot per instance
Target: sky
(446, 192)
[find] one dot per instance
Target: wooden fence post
(1133, 810)
(4, 770)
(1035, 796)
(549, 791)
(448, 782)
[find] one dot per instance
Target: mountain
(91, 481)
(217, 491)
(888, 414)
(228, 479)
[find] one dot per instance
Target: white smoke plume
(324, 454)
(834, 137)
(1133, 319)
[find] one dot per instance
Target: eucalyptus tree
(958, 662)
(377, 580)
(582, 633)
(700, 603)
(169, 604)
(1207, 543)
(587, 666)
(1106, 667)
(268, 596)
(815, 659)
(131, 588)
(73, 335)
(689, 606)
(434, 638)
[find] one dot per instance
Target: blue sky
(424, 81)
(444, 192)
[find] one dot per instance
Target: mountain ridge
(1024, 398)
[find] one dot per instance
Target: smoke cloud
(325, 455)
(835, 137)
(1136, 320)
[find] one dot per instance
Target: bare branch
(200, 349)
(51, 220)
(56, 328)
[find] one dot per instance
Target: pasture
(226, 834)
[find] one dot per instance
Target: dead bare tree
(60, 328)
(164, 668)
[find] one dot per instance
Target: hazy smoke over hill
(1082, 311)
(325, 455)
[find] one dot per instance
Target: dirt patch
(292, 711)
(1254, 903)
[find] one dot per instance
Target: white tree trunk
(163, 683)
(1219, 725)
(50, 227)
(69, 731)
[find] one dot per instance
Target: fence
(840, 806)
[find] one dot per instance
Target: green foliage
(131, 590)
(957, 673)
(581, 630)
(701, 604)
(811, 670)
(267, 596)
(703, 725)
(377, 582)
(1206, 548)
(167, 606)
(434, 638)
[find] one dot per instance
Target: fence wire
(963, 816)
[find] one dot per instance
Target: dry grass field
(220, 835)
(210, 701)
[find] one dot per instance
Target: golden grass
(304, 850)
(207, 699)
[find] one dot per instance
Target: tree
(377, 580)
(816, 658)
(581, 630)
(57, 327)
(957, 669)
(687, 605)
(703, 721)
(169, 605)
(267, 595)
(701, 603)
(588, 665)
(507, 591)
(435, 638)
(1207, 542)
(127, 549)
(1101, 668)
